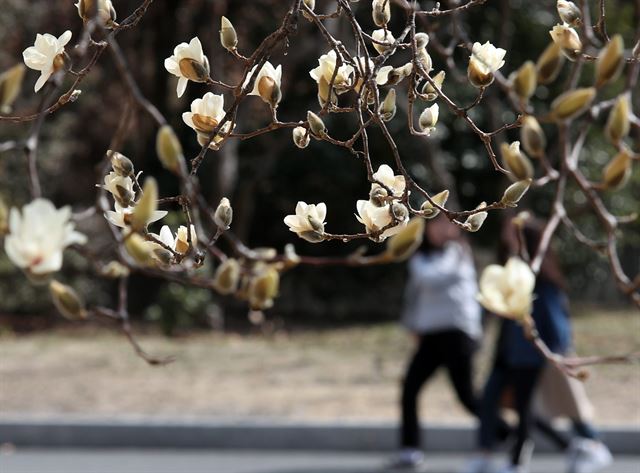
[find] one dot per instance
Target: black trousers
(452, 349)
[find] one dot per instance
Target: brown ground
(346, 374)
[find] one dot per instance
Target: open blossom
(38, 236)
(46, 55)
(121, 216)
(326, 68)
(484, 61)
(375, 218)
(205, 115)
(385, 175)
(508, 290)
(180, 242)
(188, 63)
(121, 187)
(382, 36)
(308, 221)
(267, 83)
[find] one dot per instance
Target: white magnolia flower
(486, 58)
(267, 84)
(178, 243)
(385, 175)
(113, 180)
(375, 218)
(568, 40)
(508, 290)
(188, 63)
(38, 236)
(46, 55)
(205, 115)
(382, 36)
(428, 119)
(327, 65)
(121, 216)
(308, 221)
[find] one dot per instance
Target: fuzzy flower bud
(10, 84)
(617, 127)
(516, 161)
(121, 164)
(422, 39)
(378, 195)
(228, 36)
(141, 250)
(475, 221)
(223, 215)
(316, 125)
(616, 174)
(549, 64)
(429, 118)
(404, 243)
(169, 150)
(301, 137)
(524, 81)
(67, 301)
(381, 12)
(399, 211)
(146, 206)
(569, 12)
(227, 277)
(572, 103)
(532, 136)
(430, 90)
(429, 210)
(610, 61)
(515, 192)
(568, 41)
(263, 288)
(387, 108)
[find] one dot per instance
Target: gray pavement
(249, 461)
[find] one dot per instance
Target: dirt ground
(347, 374)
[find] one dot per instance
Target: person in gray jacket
(442, 313)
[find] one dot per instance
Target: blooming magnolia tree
(372, 76)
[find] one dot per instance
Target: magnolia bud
(378, 195)
(316, 124)
(429, 90)
(524, 81)
(139, 249)
(291, 257)
(67, 301)
(10, 84)
(312, 236)
(169, 150)
(301, 137)
(193, 70)
(384, 40)
(269, 91)
(573, 103)
(549, 64)
(387, 108)
(114, 270)
(123, 196)
(223, 214)
(568, 40)
(228, 36)
(101, 9)
(569, 12)
(422, 39)
(121, 164)
(146, 206)
(618, 122)
(429, 118)
(381, 12)
(429, 210)
(475, 221)
(404, 243)
(616, 174)
(263, 288)
(163, 256)
(399, 211)
(610, 61)
(227, 277)
(311, 4)
(4, 217)
(424, 59)
(516, 161)
(515, 192)
(532, 136)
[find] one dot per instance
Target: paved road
(199, 461)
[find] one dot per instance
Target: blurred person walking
(442, 314)
(520, 367)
